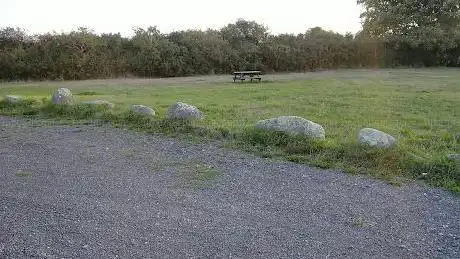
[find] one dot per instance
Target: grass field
(421, 108)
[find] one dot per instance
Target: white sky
(281, 16)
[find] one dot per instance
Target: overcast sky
(290, 16)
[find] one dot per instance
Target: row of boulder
(63, 96)
(293, 125)
(299, 126)
(178, 110)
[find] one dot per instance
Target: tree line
(430, 38)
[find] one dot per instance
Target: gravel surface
(100, 192)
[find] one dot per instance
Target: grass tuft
(88, 93)
(76, 111)
(199, 175)
(23, 174)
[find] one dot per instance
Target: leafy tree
(207, 52)
(246, 37)
(426, 29)
(394, 34)
(155, 55)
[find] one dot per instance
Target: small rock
(293, 125)
(13, 99)
(184, 111)
(453, 157)
(104, 103)
(142, 109)
(376, 138)
(62, 96)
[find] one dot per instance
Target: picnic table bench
(243, 75)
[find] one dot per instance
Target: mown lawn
(421, 108)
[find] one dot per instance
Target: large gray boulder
(376, 138)
(100, 103)
(184, 111)
(454, 157)
(293, 125)
(142, 109)
(13, 99)
(62, 96)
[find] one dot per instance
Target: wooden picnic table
(243, 75)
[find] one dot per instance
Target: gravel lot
(100, 192)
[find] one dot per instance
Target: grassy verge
(418, 107)
(348, 156)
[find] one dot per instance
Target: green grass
(23, 174)
(419, 107)
(193, 173)
(198, 176)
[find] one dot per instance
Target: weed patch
(23, 174)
